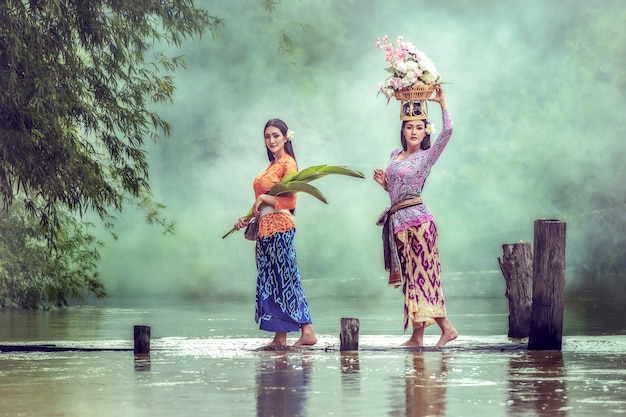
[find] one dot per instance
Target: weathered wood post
(349, 335)
(142, 340)
(546, 326)
(517, 268)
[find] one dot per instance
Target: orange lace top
(276, 222)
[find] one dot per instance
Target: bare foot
(274, 344)
(306, 341)
(308, 337)
(280, 340)
(417, 337)
(413, 343)
(448, 335)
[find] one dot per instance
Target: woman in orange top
(281, 305)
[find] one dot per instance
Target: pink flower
(408, 47)
(396, 83)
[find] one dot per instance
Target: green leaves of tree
(76, 85)
(34, 275)
(77, 79)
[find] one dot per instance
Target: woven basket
(416, 92)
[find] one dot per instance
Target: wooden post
(349, 335)
(546, 326)
(517, 267)
(142, 340)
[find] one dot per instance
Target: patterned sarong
(281, 305)
(419, 258)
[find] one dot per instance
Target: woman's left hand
(241, 223)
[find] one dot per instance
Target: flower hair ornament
(430, 129)
(290, 134)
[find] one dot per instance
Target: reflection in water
(142, 363)
(282, 383)
(425, 385)
(41, 325)
(352, 399)
(350, 367)
(537, 380)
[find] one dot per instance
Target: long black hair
(282, 126)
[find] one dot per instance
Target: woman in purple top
(409, 231)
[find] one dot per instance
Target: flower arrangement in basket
(413, 76)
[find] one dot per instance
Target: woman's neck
(279, 154)
(412, 149)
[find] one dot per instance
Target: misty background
(536, 91)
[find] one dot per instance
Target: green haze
(536, 91)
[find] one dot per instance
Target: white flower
(412, 66)
(401, 67)
(409, 79)
(430, 129)
(429, 77)
(290, 134)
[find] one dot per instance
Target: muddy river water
(205, 360)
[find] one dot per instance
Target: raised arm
(446, 131)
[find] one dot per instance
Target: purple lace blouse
(409, 176)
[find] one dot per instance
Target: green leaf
(293, 187)
(278, 189)
(295, 182)
(318, 171)
(342, 170)
(299, 175)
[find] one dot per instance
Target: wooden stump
(546, 327)
(517, 268)
(142, 340)
(349, 335)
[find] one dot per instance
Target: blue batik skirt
(281, 305)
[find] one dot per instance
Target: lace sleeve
(442, 140)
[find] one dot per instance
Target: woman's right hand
(241, 223)
(379, 177)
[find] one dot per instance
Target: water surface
(205, 360)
